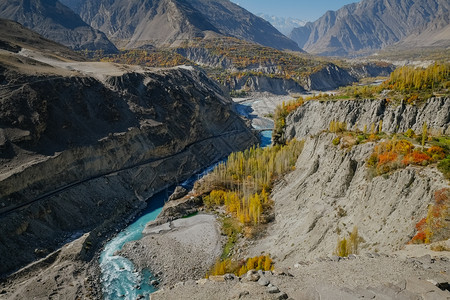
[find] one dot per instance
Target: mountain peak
(162, 23)
(369, 25)
(284, 25)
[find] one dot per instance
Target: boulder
(178, 193)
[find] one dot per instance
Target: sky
(307, 10)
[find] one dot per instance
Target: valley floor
(407, 274)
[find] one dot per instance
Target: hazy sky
(308, 10)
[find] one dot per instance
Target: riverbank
(180, 250)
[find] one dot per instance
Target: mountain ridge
(146, 23)
(56, 22)
(369, 25)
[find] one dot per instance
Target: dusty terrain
(63, 274)
(178, 250)
(372, 276)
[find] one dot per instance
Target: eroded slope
(79, 151)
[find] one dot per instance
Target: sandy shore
(180, 250)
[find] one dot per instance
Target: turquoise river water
(119, 278)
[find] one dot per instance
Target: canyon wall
(332, 190)
(316, 116)
(80, 154)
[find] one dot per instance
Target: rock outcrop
(332, 189)
(80, 152)
(316, 116)
(278, 86)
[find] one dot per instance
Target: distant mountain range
(56, 22)
(97, 24)
(284, 25)
(369, 25)
(159, 23)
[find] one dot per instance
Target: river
(119, 278)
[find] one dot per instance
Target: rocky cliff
(278, 86)
(359, 28)
(267, 76)
(80, 152)
(315, 116)
(332, 189)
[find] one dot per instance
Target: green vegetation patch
(413, 85)
(148, 58)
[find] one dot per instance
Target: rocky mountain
(434, 34)
(56, 22)
(131, 24)
(369, 25)
(284, 25)
(84, 144)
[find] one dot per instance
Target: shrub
(436, 152)
(373, 160)
(392, 154)
(410, 133)
(350, 245)
(341, 248)
(263, 262)
(403, 147)
(420, 158)
(435, 226)
(336, 141)
(360, 138)
(387, 157)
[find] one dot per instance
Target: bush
(435, 226)
(410, 133)
(444, 167)
(392, 154)
(336, 141)
(373, 160)
(436, 152)
(360, 138)
(350, 245)
(263, 262)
